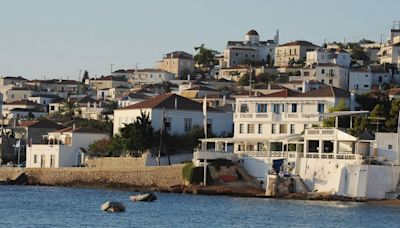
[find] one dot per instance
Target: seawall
(163, 178)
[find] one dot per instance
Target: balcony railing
(274, 116)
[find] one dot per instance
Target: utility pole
(161, 137)
(205, 136)
(111, 68)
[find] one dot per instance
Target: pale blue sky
(55, 38)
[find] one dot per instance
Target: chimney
(73, 126)
(176, 103)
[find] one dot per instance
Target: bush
(194, 175)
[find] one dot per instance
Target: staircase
(247, 177)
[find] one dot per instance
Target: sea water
(34, 206)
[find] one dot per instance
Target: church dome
(252, 33)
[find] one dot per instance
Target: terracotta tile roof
(326, 91)
(109, 78)
(298, 42)
(203, 88)
(79, 130)
(22, 102)
(283, 93)
(167, 101)
(394, 91)
(42, 123)
(178, 54)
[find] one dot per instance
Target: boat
(148, 197)
(113, 206)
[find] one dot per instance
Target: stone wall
(116, 162)
(9, 173)
(162, 178)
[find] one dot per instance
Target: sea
(38, 206)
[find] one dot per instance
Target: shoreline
(211, 192)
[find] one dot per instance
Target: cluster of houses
(278, 120)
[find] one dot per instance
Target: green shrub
(195, 174)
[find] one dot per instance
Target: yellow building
(179, 63)
(293, 51)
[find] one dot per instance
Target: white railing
(262, 115)
(338, 156)
(273, 154)
(292, 115)
(212, 155)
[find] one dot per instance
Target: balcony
(277, 117)
(212, 155)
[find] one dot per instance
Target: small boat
(148, 197)
(113, 206)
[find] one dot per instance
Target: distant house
(131, 98)
(9, 80)
(62, 148)
(33, 131)
(180, 115)
(178, 63)
(293, 52)
(394, 93)
(23, 109)
(150, 76)
(112, 93)
(360, 80)
(18, 93)
(107, 82)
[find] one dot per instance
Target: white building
(390, 52)
(360, 80)
(339, 57)
(150, 76)
(62, 148)
(180, 115)
(328, 73)
(249, 50)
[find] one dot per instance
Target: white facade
(341, 58)
(177, 121)
(386, 145)
(150, 76)
(329, 74)
(360, 81)
(63, 150)
(380, 78)
(251, 49)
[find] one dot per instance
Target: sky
(59, 38)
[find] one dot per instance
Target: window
(237, 54)
(356, 86)
(330, 81)
(390, 147)
(366, 86)
(262, 107)
(188, 124)
(282, 128)
(12, 95)
(380, 79)
(322, 71)
(35, 159)
(322, 81)
(328, 146)
(52, 161)
(52, 108)
(275, 108)
(246, 55)
(321, 108)
(241, 128)
(260, 129)
(167, 124)
(250, 128)
(244, 108)
(273, 129)
(294, 108)
(292, 128)
(366, 75)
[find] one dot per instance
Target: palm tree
(69, 108)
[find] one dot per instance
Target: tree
(360, 125)
(85, 76)
(266, 77)
(69, 109)
(109, 107)
(392, 120)
(244, 80)
(138, 136)
(106, 147)
(205, 57)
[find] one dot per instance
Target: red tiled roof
(168, 101)
(42, 123)
(79, 130)
(298, 42)
(394, 91)
(326, 91)
(22, 102)
(109, 78)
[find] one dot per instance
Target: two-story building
(62, 148)
(177, 63)
(180, 115)
(292, 52)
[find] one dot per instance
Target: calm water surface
(31, 206)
